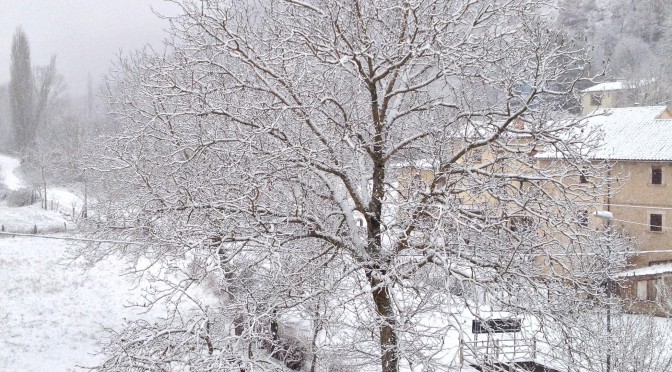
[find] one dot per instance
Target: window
(655, 222)
(660, 262)
(583, 179)
(651, 290)
(522, 224)
(440, 182)
(582, 218)
(595, 99)
(416, 185)
(656, 176)
(642, 290)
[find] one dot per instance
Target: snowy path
(7, 176)
(51, 314)
(22, 219)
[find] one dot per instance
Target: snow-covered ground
(23, 219)
(52, 311)
(8, 166)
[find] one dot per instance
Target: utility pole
(608, 216)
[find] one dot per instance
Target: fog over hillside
(84, 35)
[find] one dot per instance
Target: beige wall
(610, 98)
(632, 201)
(635, 199)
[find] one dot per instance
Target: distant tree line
(31, 91)
(630, 39)
(41, 123)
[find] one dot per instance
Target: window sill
(655, 232)
(656, 185)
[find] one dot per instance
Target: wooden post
(65, 227)
(35, 229)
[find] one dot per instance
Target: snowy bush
(20, 197)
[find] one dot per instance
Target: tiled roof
(629, 133)
(633, 133)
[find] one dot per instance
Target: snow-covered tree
(630, 39)
(260, 168)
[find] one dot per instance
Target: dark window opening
(441, 182)
(582, 218)
(583, 179)
(522, 224)
(656, 222)
(656, 176)
(595, 99)
(651, 290)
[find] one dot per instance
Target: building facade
(637, 147)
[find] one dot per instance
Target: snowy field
(22, 219)
(52, 311)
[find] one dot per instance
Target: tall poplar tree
(21, 91)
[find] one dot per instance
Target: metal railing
(496, 350)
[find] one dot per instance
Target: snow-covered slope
(7, 175)
(52, 313)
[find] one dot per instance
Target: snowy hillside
(52, 310)
(8, 166)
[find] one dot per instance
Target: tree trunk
(86, 199)
(387, 334)
(44, 185)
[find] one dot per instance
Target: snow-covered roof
(603, 87)
(416, 164)
(649, 270)
(633, 133)
(630, 133)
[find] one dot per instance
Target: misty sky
(84, 34)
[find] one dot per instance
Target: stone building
(637, 147)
